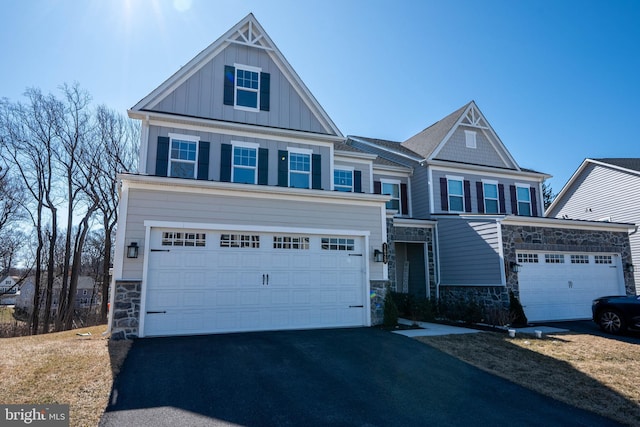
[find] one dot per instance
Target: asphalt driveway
(348, 377)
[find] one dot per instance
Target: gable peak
(249, 32)
(472, 117)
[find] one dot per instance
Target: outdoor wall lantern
(381, 255)
(630, 268)
(132, 250)
(377, 255)
(514, 266)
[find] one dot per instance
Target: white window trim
(243, 144)
(296, 150)
(189, 138)
(344, 168)
(235, 87)
(394, 182)
(470, 139)
(484, 195)
(528, 188)
(455, 178)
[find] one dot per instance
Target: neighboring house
(251, 210)
(9, 291)
(604, 190)
(87, 295)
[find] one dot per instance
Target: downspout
(437, 255)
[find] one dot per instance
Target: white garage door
(202, 281)
(561, 286)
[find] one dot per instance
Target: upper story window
(299, 168)
(524, 200)
(455, 190)
(470, 138)
(490, 191)
(343, 180)
(246, 87)
(245, 163)
(392, 188)
(183, 153)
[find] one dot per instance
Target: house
(604, 190)
(87, 295)
(9, 290)
(251, 210)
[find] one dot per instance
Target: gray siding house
(604, 190)
(251, 210)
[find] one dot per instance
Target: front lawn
(598, 374)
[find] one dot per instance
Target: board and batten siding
(473, 178)
(237, 210)
(217, 139)
(469, 252)
(201, 95)
(420, 193)
(455, 149)
(601, 193)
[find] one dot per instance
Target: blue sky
(558, 80)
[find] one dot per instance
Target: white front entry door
(561, 286)
(203, 281)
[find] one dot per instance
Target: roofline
(211, 125)
(353, 154)
(402, 169)
(490, 169)
(371, 144)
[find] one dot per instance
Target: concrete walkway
(436, 329)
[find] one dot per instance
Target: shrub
(390, 310)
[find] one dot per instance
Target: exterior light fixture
(514, 266)
(377, 255)
(629, 268)
(382, 255)
(132, 250)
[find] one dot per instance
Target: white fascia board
(414, 223)
(380, 147)
(354, 155)
(568, 185)
(567, 223)
(445, 166)
(234, 129)
(193, 186)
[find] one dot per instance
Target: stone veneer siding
(126, 313)
(518, 237)
(410, 235)
(378, 290)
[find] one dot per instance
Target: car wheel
(610, 321)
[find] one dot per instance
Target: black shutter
(225, 162)
(467, 196)
(514, 200)
(229, 84)
(283, 168)
(503, 205)
(203, 160)
(263, 166)
(316, 171)
(404, 199)
(377, 187)
(444, 195)
(357, 181)
(162, 156)
(265, 79)
(534, 202)
(480, 194)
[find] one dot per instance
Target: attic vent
(470, 138)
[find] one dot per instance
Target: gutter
(437, 253)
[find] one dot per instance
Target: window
(554, 258)
(245, 163)
(455, 189)
(524, 200)
(337, 244)
(392, 188)
(247, 87)
(290, 242)
(173, 238)
(239, 241)
(343, 180)
(470, 138)
(300, 169)
(527, 258)
(183, 152)
(491, 204)
(579, 259)
(603, 259)
(84, 292)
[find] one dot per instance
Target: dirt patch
(593, 373)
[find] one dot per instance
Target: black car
(616, 314)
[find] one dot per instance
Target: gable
(484, 153)
(201, 88)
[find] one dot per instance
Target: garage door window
(579, 259)
(603, 259)
(239, 241)
(554, 258)
(337, 244)
(290, 242)
(171, 238)
(527, 258)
